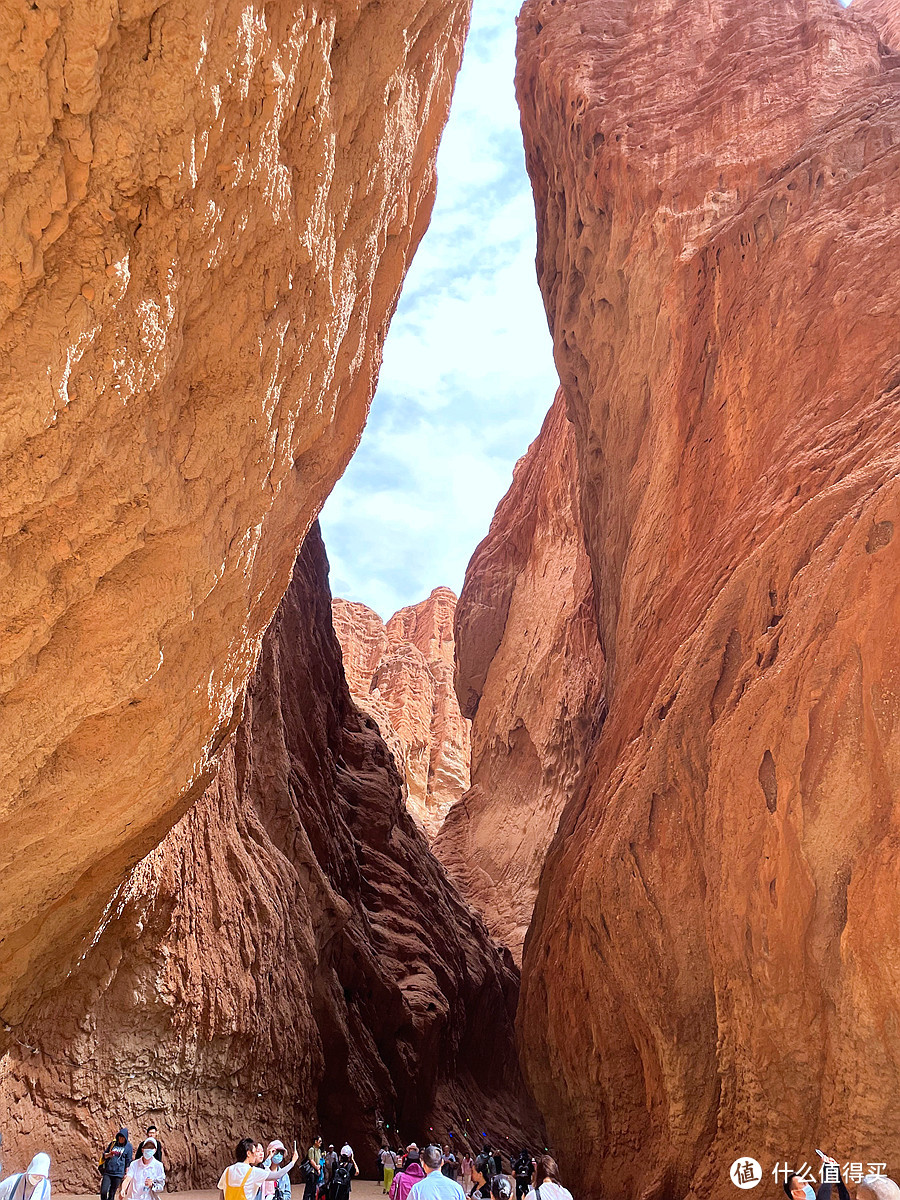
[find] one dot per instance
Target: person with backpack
(309, 1177)
(32, 1184)
(406, 1180)
(545, 1181)
(114, 1163)
(345, 1171)
(523, 1168)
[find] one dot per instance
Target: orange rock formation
(290, 958)
(530, 671)
(401, 673)
(208, 208)
(711, 971)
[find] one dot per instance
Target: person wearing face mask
(153, 1132)
(145, 1177)
(277, 1189)
(798, 1189)
(32, 1184)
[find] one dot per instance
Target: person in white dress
(545, 1184)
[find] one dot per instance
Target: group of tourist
(431, 1174)
(258, 1174)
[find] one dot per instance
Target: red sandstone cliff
(711, 970)
(530, 672)
(291, 957)
(401, 673)
(208, 207)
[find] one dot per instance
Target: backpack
(308, 1171)
(340, 1180)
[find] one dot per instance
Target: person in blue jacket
(114, 1163)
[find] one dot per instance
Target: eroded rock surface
(401, 673)
(530, 671)
(207, 210)
(291, 957)
(711, 971)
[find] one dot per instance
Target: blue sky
(468, 370)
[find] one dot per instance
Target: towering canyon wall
(711, 971)
(290, 957)
(401, 673)
(207, 209)
(530, 673)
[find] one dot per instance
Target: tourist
(406, 1180)
(32, 1184)
(276, 1189)
(245, 1177)
(498, 1162)
(145, 1176)
(798, 1189)
(501, 1188)
(388, 1166)
(436, 1185)
(523, 1168)
(877, 1187)
(309, 1177)
(114, 1162)
(329, 1162)
(482, 1172)
(451, 1166)
(466, 1172)
(345, 1172)
(546, 1184)
(315, 1155)
(153, 1132)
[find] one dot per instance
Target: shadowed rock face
(530, 670)
(401, 673)
(712, 966)
(208, 207)
(291, 957)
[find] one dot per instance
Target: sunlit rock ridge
(401, 673)
(711, 970)
(208, 209)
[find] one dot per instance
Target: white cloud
(468, 372)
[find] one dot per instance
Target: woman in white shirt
(545, 1183)
(32, 1184)
(146, 1176)
(243, 1179)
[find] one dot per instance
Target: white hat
(347, 1151)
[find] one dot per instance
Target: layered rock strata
(207, 209)
(291, 957)
(530, 673)
(401, 673)
(711, 971)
